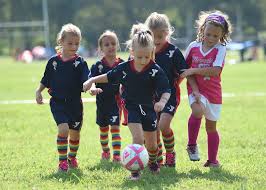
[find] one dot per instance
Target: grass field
(29, 157)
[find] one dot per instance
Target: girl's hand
(95, 91)
(197, 96)
(39, 99)
(87, 85)
(158, 106)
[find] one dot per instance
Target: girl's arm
(195, 90)
(38, 94)
(209, 71)
(97, 79)
(158, 106)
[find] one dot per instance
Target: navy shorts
(107, 114)
(170, 106)
(145, 115)
(67, 111)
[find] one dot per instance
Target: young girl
(141, 78)
(171, 60)
(64, 76)
(205, 57)
(107, 105)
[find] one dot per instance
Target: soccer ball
(134, 157)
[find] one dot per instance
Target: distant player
(141, 78)
(205, 57)
(64, 76)
(171, 60)
(107, 102)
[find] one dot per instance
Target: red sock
(193, 129)
(213, 145)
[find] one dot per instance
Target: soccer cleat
(193, 152)
(73, 163)
(63, 166)
(211, 164)
(116, 158)
(106, 155)
(154, 167)
(135, 176)
(169, 159)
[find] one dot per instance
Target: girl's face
(160, 38)
(70, 44)
(142, 55)
(109, 46)
(212, 35)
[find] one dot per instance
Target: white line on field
(225, 95)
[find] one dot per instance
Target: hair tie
(216, 18)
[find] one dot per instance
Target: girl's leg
(152, 148)
(168, 138)
(116, 142)
(62, 146)
(160, 148)
(213, 143)
(74, 137)
(104, 139)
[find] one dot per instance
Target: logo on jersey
(100, 68)
(170, 53)
(154, 71)
(124, 74)
(76, 124)
(154, 123)
(55, 65)
(76, 63)
(171, 108)
(114, 118)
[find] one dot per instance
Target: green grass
(28, 150)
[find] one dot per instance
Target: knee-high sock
(73, 149)
(169, 141)
(152, 155)
(116, 141)
(62, 146)
(213, 145)
(104, 138)
(193, 129)
(160, 148)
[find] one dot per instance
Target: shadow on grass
(104, 165)
(169, 176)
(73, 176)
(215, 174)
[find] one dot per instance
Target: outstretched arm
(98, 79)
(209, 71)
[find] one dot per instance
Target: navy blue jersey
(139, 87)
(171, 60)
(109, 90)
(65, 78)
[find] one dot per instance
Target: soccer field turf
(28, 139)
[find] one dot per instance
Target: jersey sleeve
(219, 60)
(179, 62)
(85, 72)
(47, 75)
(161, 83)
(188, 57)
(115, 75)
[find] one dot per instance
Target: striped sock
(62, 145)
(73, 146)
(160, 148)
(116, 141)
(152, 155)
(104, 138)
(169, 141)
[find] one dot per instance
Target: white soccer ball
(134, 157)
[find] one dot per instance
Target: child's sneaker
(193, 152)
(63, 166)
(169, 159)
(135, 176)
(211, 164)
(116, 158)
(73, 163)
(154, 167)
(106, 155)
